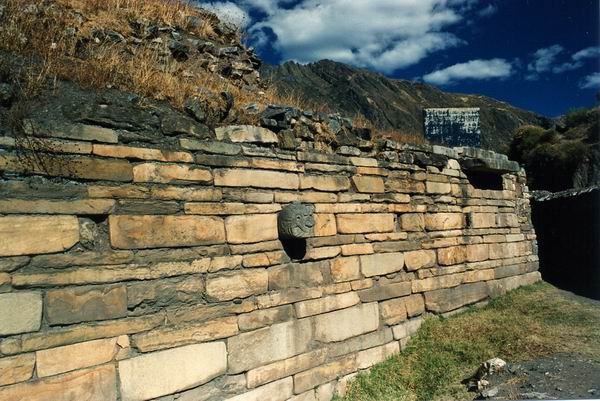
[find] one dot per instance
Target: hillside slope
(391, 103)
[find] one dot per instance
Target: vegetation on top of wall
(552, 157)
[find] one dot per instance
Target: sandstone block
(322, 374)
(380, 264)
(434, 283)
(357, 249)
(482, 220)
(286, 367)
(357, 223)
(25, 235)
(325, 225)
(297, 275)
(166, 372)
(415, 260)
(412, 221)
(168, 173)
(354, 344)
(141, 153)
(438, 187)
(477, 252)
(97, 384)
(406, 329)
(251, 228)
(178, 335)
(385, 291)
(346, 323)
(131, 232)
(277, 391)
(345, 269)
(20, 312)
(221, 148)
(58, 360)
(16, 369)
(265, 317)
(443, 221)
(237, 284)
(256, 179)
(507, 220)
(326, 304)
(230, 208)
(500, 250)
(472, 276)
(246, 133)
(324, 182)
(288, 296)
(260, 347)
(368, 184)
(79, 206)
(445, 300)
(82, 304)
(397, 310)
(452, 255)
(326, 252)
(372, 356)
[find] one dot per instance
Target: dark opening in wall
(485, 179)
(295, 248)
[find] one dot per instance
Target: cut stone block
(346, 323)
(358, 223)
(20, 312)
(131, 232)
(380, 264)
(170, 371)
(237, 284)
(251, 228)
(96, 384)
(246, 133)
(27, 235)
(259, 347)
(81, 304)
(58, 360)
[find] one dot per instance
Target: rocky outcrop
(392, 103)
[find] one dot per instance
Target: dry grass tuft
(56, 40)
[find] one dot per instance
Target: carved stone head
(296, 220)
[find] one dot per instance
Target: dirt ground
(560, 376)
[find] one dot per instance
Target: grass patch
(524, 324)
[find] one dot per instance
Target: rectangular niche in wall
(453, 126)
(485, 179)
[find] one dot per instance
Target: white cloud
(588, 52)
(488, 11)
(384, 35)
(544, 58)
(474, 69)
(228, 12)
(592, 81)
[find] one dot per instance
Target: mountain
(392, 104)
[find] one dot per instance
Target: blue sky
(541, 55)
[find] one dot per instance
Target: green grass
(524, 324)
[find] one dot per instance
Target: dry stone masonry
(236, 269)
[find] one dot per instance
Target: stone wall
(572, 261)
(135, 273)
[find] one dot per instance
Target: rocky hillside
(392, 104)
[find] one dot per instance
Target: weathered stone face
(296, 220)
